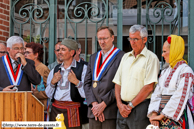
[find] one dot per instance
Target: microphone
(19, 60)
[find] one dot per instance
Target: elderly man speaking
(14, 73)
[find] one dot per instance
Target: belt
(125, 102)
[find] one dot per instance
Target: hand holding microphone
(21, 59)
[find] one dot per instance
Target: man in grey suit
(98, 85)
(12, 72)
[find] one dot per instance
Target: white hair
(143, 31)
(14, 40)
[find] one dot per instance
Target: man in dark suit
(98, 85)
(12, 72)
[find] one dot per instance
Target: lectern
(20, 106)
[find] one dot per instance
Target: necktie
(16, 66)
(100, 61)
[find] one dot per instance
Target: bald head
(3, 49)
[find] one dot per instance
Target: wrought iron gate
(165, 17)
(49, 21)
(41, 20)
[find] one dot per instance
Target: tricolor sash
(97, 72)
(14, 79)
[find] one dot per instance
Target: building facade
(49, 21)
(4, 20)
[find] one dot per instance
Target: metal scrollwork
(161, 11)
(84, 12)
(150, 39)
(28, 11)
(80, 11)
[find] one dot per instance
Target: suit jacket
(105, 90)
(83, 62)
(30, 75)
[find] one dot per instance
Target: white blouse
(178, 83)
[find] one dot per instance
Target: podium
(20, 106)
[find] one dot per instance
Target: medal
(95, 84)
(15, 88)
(98, 70)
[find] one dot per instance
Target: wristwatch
(131, 105)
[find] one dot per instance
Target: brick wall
(4, 20)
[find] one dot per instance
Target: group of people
(114, 90)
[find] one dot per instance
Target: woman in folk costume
(168, 107)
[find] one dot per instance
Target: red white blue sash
(14, 79)
(97, 72)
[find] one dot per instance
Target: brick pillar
(4, 20)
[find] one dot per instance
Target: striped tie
(16, 66)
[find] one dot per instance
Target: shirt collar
(12, 61)
(73, 64)
(108, 51)
(143, 52)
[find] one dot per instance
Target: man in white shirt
(69, 94)
(135, 80)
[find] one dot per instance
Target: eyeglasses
(57, 50)
(100, 39)
(17, 48)
(135, 39)
(27, 52)
(3, 52)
